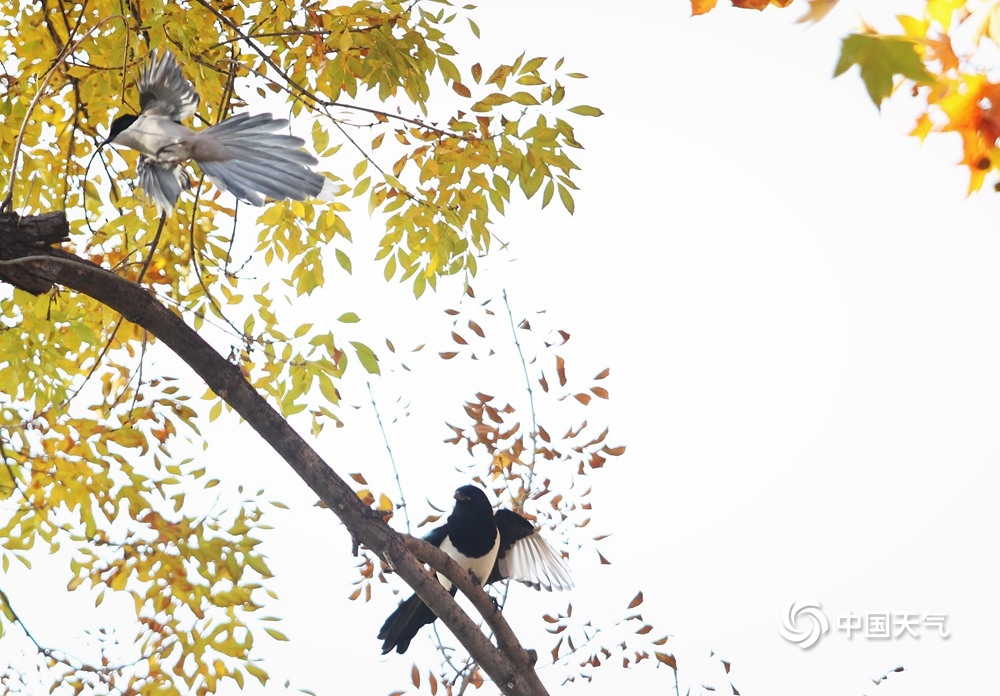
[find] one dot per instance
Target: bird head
(472, 495)
(119, 125)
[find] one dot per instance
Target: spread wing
(526, 557)
(164, 91)
(161, 182)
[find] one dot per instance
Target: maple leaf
(880, 58)
(940, 49)
(971, 106)
(943, 11)
(923, 127)
(702, 6)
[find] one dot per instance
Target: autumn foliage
(944, 57)
(431, 144)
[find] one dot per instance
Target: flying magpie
(491, 547)
(243, 154)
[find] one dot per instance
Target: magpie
(491, 547)
(243, 154)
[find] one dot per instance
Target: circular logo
(803, 622)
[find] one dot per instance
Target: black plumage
(492, 547)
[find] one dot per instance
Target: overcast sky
(799, 309)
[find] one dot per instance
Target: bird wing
(161, 182)
(526, 557)
(164, 91)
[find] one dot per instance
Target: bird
(242, 154)
(491, 547)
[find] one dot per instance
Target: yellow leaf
(275, 633)
(499, 75)
(818, 9)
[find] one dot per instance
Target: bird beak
(461, 496)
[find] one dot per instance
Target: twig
(392, 459)
(60, 59)
(531, 395)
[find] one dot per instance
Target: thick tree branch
(444, 563)
(27, 262)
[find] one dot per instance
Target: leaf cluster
(944, 56)
(89, 424)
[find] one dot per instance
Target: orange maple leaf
(760, 4)
(702, 6)
(940, 49)
(972, 107)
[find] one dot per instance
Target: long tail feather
(402, 625)
(244, 155)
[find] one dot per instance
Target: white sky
(799, 308)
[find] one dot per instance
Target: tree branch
(27, 263)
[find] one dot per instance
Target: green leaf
(567, 198)
(328, 390)
(349, 318)
(344, 260)
(367, 357)
(584, 110)
(880, 58)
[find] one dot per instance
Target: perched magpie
(491, 547)
(243, 154)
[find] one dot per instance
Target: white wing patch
(532, 561)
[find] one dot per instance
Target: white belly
(159, 138)
(482, 567)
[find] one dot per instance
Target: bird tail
(402, 625)
(246, 156)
